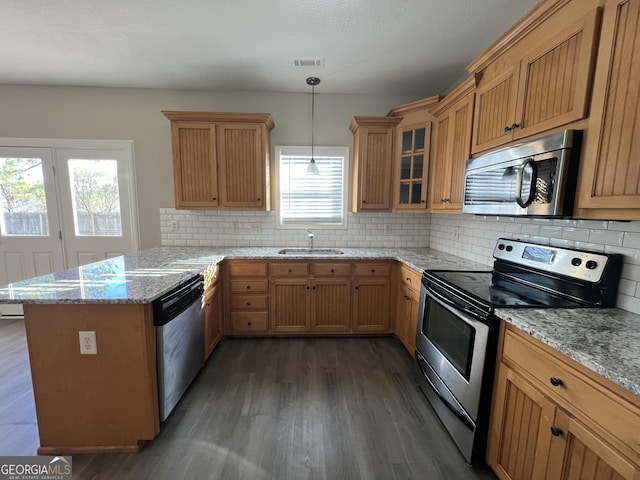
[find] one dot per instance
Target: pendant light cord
(313, 115)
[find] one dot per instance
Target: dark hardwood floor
(317, 408)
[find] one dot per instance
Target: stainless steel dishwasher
(178, 317)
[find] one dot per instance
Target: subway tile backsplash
(258, 229)
(467, 236)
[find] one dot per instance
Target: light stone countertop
(143, 276)
(605, 340)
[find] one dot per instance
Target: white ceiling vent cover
(308, 62)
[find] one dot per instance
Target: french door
(64, 206)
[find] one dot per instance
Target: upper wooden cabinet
(372, 162)
(221, 160)
(548, 86)
(412, 155)
(609, 186)
(453, 148)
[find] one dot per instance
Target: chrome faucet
(310, 236)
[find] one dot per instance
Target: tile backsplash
(467, 236)
(259, 229)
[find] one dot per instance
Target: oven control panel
(582, 265)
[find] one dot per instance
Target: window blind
(309, 199)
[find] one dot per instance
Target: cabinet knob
(332, 270)
(556, 431)
(248, 304)
(313, 288)
(373, 270)
(308, 287)
(289, 270)
(214, 198)
(208, 304)
(408, 279)
(259, 199)
(422, 201)
(364, 201)
(248, 287)
(356, 288)
(249, 324)
(556, 382)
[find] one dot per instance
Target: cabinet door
(290, 305)
(610, 171)
(520, 430)
(403, 318)
(555, 79)
(372, 190)
(454, 133)
(331, 305)
(412, 167)
(194, 165)
(579, 454)
(242, 165)
(212, 319)
(495, 107)
(371, 305)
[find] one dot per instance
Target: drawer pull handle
(373, 270)
(248, 287)
(556, 382)
(289, 270)
(248, 304)
(332, 270)
(248, 324)
(556, 432)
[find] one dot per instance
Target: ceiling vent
(308, 62)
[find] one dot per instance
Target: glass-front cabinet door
(412, 166)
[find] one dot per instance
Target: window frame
(336, 151)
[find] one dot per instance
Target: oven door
(452, 339)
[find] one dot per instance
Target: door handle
(532, 187)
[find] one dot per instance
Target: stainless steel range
(458, 329)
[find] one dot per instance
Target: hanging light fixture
(312, 168)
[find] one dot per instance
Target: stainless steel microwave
(536, 178)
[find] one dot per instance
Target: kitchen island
(109, 401)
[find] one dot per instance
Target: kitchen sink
(310, 251)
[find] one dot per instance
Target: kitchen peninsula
(109, 402)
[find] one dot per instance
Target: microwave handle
(532, 187)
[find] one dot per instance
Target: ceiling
(400, 47)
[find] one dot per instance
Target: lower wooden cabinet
(407, 304)
(290, 305)
(212, 318)
(331, 305)
(371, 305)
(555, 420)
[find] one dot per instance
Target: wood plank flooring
(317, 408)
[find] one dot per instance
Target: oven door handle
(446, 397)
(454, 305)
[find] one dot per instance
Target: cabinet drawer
(410, 278)
(249, 322)
(249, 302)
(249, 286)
(372, 269)
(586, 398)
(248, 269)
(331, 269)
(293, 269)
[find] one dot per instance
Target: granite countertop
(143, 276)
(605, 340)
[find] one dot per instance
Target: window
(308, 199)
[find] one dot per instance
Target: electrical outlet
(255, 228)
(235, 228)
(88, 344)
(387, 229)
(455, 234)
(173, 224)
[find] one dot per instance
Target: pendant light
(312, 168)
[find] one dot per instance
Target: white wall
(474, 237)
(134, 114)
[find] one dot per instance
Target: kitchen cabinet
(373, 142)
(554, 419)
(248, 297)
(609, 183)
(412, 155)
(221, 160)
(212, 311)
(371, 297)
(407, 304)
(453, 148)
(306, 303)
(549, 86)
